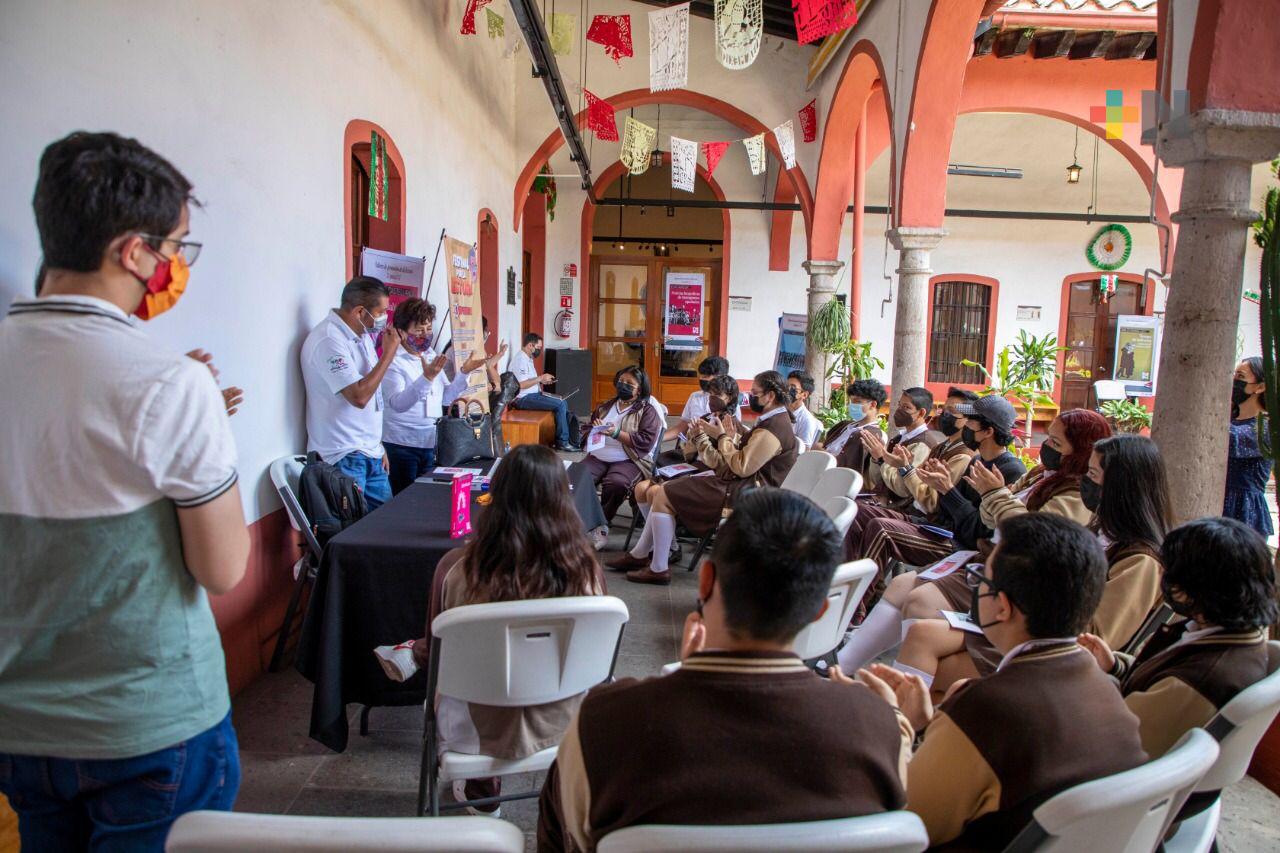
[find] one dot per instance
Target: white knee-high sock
(645, 543)
(911, 670)
(876, 635)
(664, 532)
(906, 626)
(645, 509)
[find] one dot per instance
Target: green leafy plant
(1126, 416)
(1266, 233)
(829, 326)
(1036, 357)
(1014, 385)
(849, 361)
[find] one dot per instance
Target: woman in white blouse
(416, 393)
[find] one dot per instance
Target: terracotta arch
(588, 219)
(782, 219)
(357, 131)
(836, 167)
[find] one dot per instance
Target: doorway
(1088, 331)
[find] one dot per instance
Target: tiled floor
(284, 771)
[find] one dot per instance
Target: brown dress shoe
(647, 575)
(627, 562)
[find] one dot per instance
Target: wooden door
(625, 312)
(1090, 333)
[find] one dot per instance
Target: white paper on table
(458, 472)
(669, 48)
(947, 565)
(961, 621)
(739, 30)
(676, 470)
(684, 163)
(786, 136)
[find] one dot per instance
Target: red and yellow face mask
(164, 287)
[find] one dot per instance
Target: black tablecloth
(372, 589)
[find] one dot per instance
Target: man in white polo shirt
(119, 513)
(807, 427)
(343, 375)
(531, 396)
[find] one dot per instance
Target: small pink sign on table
(461, 517)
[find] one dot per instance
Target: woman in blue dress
(1248, 470)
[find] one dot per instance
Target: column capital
(1252, 137)
(823, 267)
(910, 237)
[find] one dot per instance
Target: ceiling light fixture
(1074, 170)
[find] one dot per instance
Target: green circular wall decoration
(1110, 247)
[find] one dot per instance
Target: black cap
(993, 409)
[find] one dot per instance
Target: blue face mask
(855, 412)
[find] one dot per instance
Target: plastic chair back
(519, 653)
(1109, 389)
(233, 832)
(285, 474)
(1127, 812)
(842, 512)
(1240, 725)
(891, 832)
(836, 483)
(809, 466)
(848, 586)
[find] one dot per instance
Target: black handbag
(465, 436)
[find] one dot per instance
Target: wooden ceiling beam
(1052, 44)
(1092, 45)
(1131, 46)
(1013, 42)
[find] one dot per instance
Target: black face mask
(1090, 494)
(536, 352)
(902, 418)
(1182, 607)
(973, 606)
(1238, 392)
(1050, 458)
(704, 384)
(969, 440)
(949, 424)
(716, 405)
(756, 404)
(625, 391)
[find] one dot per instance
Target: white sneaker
(460, 794)
(599, 537)
(397, 661)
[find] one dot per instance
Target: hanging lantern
(1073, 173)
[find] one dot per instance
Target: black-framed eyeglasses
(189, 249)
(974, 577)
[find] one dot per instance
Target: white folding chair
(513, 654)
(809, 466)
(1237, 727)
(1124, 813)
(842, 512)
(891, 832)
(836, 483)
(234, 832)
(848, 586)
(285, 474)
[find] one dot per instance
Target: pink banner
(461, 517)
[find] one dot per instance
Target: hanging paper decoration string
(378, 177)
(809, 121)
(816, 19)
(614, 33)
(600, 119)
(739, 29)
(786, 136)
(713, 151)
(546, 184)
(469, 16)
(497, 26)
(563, 29)
(1110, 247)
(1107, 287)
(638, 139)
(755, 153)
(684, 163)
(669, 48)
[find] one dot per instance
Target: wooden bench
(522, 426)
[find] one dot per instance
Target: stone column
(822, 289)
(912, 320)
(1216, 150)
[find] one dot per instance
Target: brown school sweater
(729, 738)
(1002, 745)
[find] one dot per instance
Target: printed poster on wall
(1137, 354)
(401, 274)
(464, 314)
(789, 354)
(683, 322)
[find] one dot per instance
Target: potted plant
(1036, 359)
(849, 361)
(1125, 416)
(1016, 384)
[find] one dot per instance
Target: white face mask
(379, 323)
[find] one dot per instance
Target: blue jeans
(408, 464)
(125, 804)
(538, 402)
(369, 476)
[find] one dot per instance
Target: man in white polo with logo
(343, 375)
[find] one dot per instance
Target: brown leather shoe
(627, 562)
(647, 575)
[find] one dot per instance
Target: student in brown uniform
(627, 452)
(743, 732)
(863, 400)
(698, 501)
(911, 419)
(1045, 720)
(1220, 577)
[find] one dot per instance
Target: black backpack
(331, 500)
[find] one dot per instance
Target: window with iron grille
(961, 326)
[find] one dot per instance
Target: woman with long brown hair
(528, 544)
